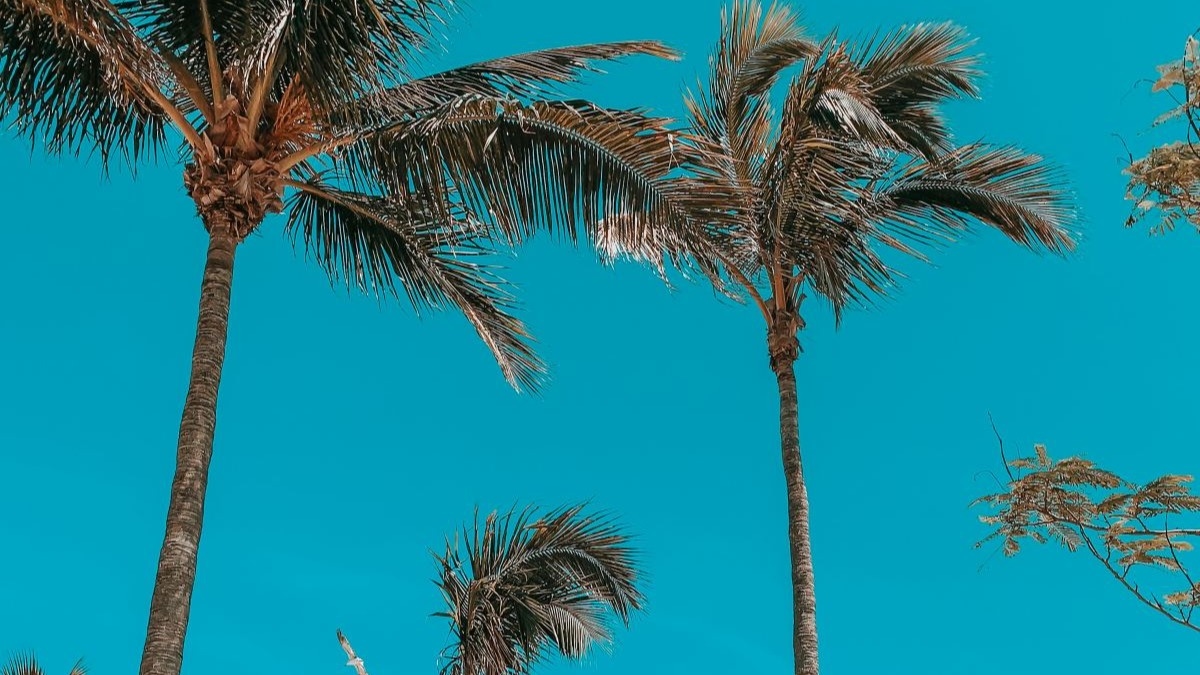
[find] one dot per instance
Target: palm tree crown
(393, 182)
(856, 159)
(529, 586)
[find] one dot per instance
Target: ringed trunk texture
(804, 601)
(172, 598)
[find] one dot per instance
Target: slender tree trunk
(804, 601)
(172, 598)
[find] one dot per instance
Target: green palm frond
(531, 586)
(388, 244)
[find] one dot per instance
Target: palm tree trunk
(172, 598)
(804, 601)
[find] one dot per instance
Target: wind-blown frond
(381, 243)
(1017, 193)
(548, 166)
(531, 586)
(533, 74)
(912, 69)
(76, 74)
(858, 160)
(734, 110)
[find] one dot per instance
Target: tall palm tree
(392, 182)
(856, 160)
(530, 587)
(27, 664)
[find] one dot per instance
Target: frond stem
(745, 282)
(210, 48)
(287, 163)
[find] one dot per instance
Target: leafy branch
(1124, 526)
(1167, 179)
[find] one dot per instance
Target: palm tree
(392, 182)
(857, 159)
(530, 587)
(27, 664)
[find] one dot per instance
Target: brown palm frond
(388, 244)
(1017, 193)
(913, 69)
(531, 586)
(77, 73)
(529, 75)
(734, 110)
(549, 166)
(860, 159)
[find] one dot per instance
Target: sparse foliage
(1127, 528)
(528, 586)
(1166, 182)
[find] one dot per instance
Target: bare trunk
(172, 598)
(804, 601)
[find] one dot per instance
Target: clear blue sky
(351, 436)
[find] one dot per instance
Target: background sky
(353, 436)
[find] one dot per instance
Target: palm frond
(912, 69)
(342, 49)
(1015, 192)
(76, 74)
(338, 50)
(533, 74)
(529, 586)
(27, 664)
(547, 166)
(733, 111)
(386, 244)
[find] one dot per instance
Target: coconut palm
(394, 183)
(529, 587)
(27, 664)
(856, 160)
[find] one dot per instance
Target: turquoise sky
(352, 436)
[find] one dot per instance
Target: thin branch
(1133, 588)
(1000, 441)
